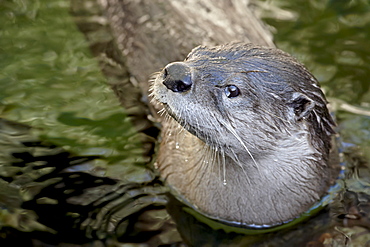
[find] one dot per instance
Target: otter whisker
(166, 116)
(211, 155)
(181, 135)
(216, 158)
(161, 112)
(233, 132)
(153, 78)
(202, 168)
(235, 158)
(224, 167)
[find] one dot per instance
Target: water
(50, 80)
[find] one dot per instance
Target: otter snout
(177, 77)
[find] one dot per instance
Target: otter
(246, 136)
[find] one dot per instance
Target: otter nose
(177, 77)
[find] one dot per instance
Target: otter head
(254, 116)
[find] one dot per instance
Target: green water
(50, 81)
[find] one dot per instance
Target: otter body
(246, 134)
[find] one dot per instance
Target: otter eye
(232, 91)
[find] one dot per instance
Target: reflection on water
(50, 81)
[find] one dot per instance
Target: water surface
(50, 81)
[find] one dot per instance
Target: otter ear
(301, 105)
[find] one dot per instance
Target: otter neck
(268, 190)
